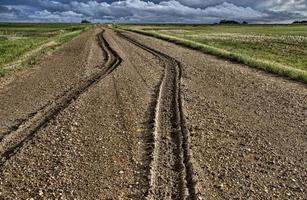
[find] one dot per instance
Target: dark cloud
(4, 9)
(193, 11)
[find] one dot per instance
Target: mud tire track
(14, 140)
(171, 173)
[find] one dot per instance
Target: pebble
(266, 190)
(221, 186)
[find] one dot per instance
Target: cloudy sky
(187, 11)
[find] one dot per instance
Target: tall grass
(26, 43)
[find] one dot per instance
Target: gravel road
(117, 115)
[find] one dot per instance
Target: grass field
(24, 43)
(280, 49)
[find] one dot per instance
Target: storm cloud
(188, 11)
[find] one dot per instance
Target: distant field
(23, 43)
(281, 49)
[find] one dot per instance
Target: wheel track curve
(171, 174)
(13, 140)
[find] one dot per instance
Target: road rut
(247, 127)
(11, 141)
(171, 174)
(167, 123)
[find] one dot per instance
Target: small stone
(121, 172)
(266, 190)
(40, 193)
(220, 186)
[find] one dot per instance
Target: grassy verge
(298, 73)
(32, 57)
(25, 44)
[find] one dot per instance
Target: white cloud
(192, 11)
(167, 11)
(291, 6)
(65, 16)
(228, 10)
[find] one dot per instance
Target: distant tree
(244, 22)
(224, 21)
(85, 21)
(300, 22)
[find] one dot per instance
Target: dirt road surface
(117, 115)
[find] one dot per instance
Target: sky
(153, 11)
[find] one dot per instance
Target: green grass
(26, 42)
(279, 49)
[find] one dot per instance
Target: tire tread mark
(180, 140)
(13, 141)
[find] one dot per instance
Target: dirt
(248, 128)
(170, 168)
(118, 115)
(25, 92)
